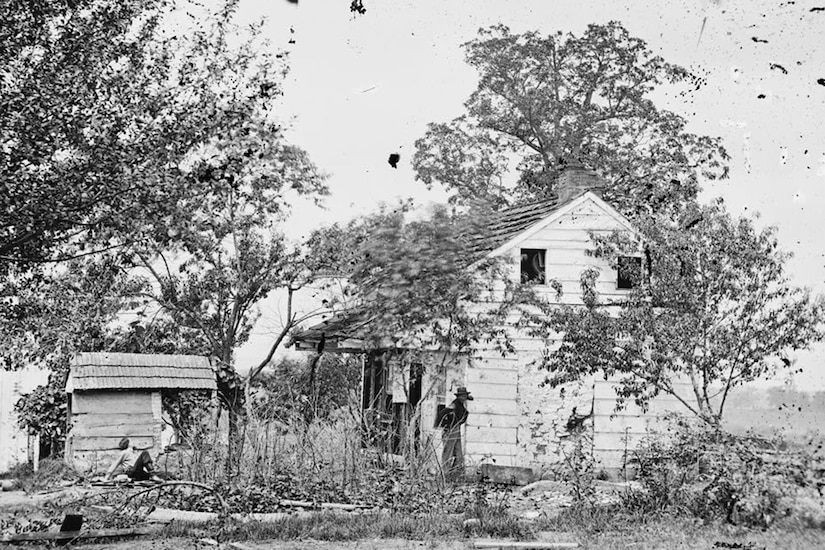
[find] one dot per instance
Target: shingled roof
(116, 371)
(509, 222)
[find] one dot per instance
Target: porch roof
(342, 331)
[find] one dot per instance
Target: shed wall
(99, 419)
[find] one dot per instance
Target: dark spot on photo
(394, 159)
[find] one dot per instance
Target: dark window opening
(629, 272)
(532, 265)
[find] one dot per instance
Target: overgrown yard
(317, 487)
(403, 532)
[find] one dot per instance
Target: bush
(711, 474)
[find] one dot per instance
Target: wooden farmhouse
(513, 421)
(116, 395)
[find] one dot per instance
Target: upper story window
(533, 266)
(629, 272)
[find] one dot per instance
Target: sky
(363, 86)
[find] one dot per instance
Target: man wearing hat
(135, 463)
(450, 419)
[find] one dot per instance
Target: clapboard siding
(109, 402)
(618, 431)
(103, 444)
(493, 420)
(113, 425)
(490, 375)
(87, 420)
(494, 391)
(496, 406)
(117, 430)
(101, 418)
(483, 434)
(497, 450)
(510, 405)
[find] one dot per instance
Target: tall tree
(211, 255)
(544, 101)
(138, 127)
(712, 308)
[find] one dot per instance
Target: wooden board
(107, 443)
(117, 430)
(495, 449)
(494, 420)
(495, 406)
(634, 423)
(483, 434)
(125, 402)
(489, 374)
(482, 390)
(89, 420)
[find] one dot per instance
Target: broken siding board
(111, 402)
(493, 420)
(493, 391)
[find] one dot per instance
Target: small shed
(116, 395)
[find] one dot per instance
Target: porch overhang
(343, 332)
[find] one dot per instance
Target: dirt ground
(187, 544)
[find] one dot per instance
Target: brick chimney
(575, 180)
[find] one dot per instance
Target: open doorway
(391, 392)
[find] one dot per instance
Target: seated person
(135, 463)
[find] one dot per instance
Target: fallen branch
(286, 503)
(222, 502)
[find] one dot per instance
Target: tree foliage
(289, 391)
(414, 278)
(106, 106)
(59, 312)
(712, 309)
(43, 412)
(153, 131)
(543, 101)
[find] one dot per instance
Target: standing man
(450, 419)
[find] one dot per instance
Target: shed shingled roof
(98, 371)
